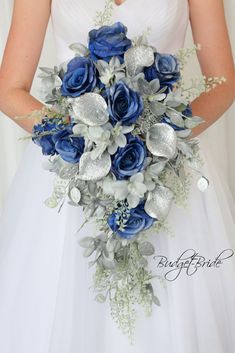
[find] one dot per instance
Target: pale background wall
(221, 134)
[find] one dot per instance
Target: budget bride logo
(189, 262)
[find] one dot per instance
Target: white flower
(107, 184)
(80, 129)
(108, 72)
(149, 182)
(50, 81)
(100, 137)
(118, 138)
(132, 190)
(104, 137)
(175, 98)
(151, 174)
(136, 189)
(157, 97)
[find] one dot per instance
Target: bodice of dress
(167, 19)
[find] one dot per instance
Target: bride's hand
(20, 59)
(215, 57)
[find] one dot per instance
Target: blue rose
(130, 159)
(167, 120)
(109, 41)
(124, 104)
(188, 111)
(79, 78)
(49, 126)
(165, 68)
(137, 221)
(69, 147)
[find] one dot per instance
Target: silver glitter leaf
(158, 202)
(161, 140)
(137, 57)
(91, 109)
(92, 170)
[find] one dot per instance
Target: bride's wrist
(36, 117)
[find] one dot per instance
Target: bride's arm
(20, 59)
(215, 58)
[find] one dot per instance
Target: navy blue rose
(109, 41)
(165, 68)
(48, 126)
(187, 112)
(138, 221)
(124, 104)
(79, 78)
(129, 160)
(70, 148)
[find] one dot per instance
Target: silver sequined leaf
(137, 57)
(91, 109)
(92, 170)
(158, 202)
(161, 140)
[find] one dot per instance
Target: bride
(46, 305)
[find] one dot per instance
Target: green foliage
(104, 17)
(126, 286)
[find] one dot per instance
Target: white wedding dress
(46, 305)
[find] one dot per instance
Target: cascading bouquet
(117, 132)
